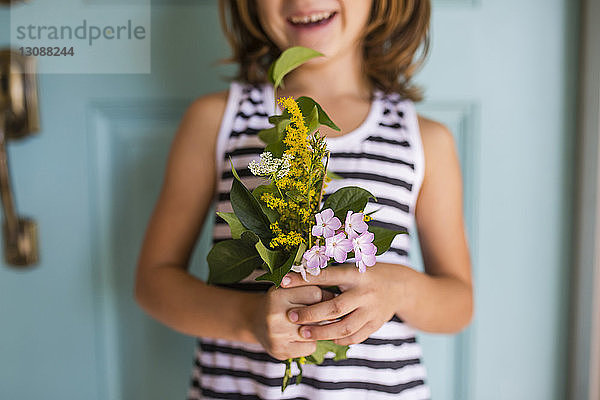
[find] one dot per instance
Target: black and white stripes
(384, 156)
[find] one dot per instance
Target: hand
(368, 300)
(271, 326)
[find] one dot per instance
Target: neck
(340, 76)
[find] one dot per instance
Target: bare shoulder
(435, 135)
(208, 104)
(194, 145)
(203, 116)
(438, 144)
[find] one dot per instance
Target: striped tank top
(383, 155)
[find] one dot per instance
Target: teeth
(311, 18)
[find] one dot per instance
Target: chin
(323, 48)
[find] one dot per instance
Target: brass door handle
(18, 119)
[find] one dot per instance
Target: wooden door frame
(585, 328)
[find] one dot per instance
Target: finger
(294, 349)
(347, 326)
(358, 337)
(325, 310)
(303, 349)
(305, 295)
(330, 276)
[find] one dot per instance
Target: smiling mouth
(315, 19)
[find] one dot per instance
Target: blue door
(501, 77)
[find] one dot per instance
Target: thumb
(339, 275)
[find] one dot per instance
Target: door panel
(500, 76)
(447, 356)
(514, 65)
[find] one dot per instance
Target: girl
(408, 162)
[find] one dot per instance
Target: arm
(442, 299)
(163, 286)
(439, 300)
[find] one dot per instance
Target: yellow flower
(275, 228)
(298, 192)
(274, 203)
(287, 240)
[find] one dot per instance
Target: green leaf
(325, 120)
(278, 273)
(258, 192)
(324, 347)
(306, 105)
(248, 210)
(294, 196)
(374, 211)
(300, 252)
(287, 374)
(270, 73)
(276, 119)
(313, 120)
(347, 198)
(249, 237)
(268, 135)
(383, 238)
(299, 377)
(276, 148)
(231, 261)
(235, 226)
(289, 60)
(276, 133)
(273, 258)
(281, 125)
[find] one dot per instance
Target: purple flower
(338, 247)
(364, 251)
(363, 244)
(327, 223)
(301, 269)
(355, 224)
(367, 260)
(315, 258)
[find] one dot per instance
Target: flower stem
(323, 181)
(275, 181)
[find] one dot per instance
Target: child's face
(332, 27)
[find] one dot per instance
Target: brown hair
(396, 30)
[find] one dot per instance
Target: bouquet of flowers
(282, 225)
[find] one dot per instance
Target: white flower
(266, 166)
(269, 165)
(284, 167)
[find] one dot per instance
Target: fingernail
(306, 333)
(286, 281)
(293, 316)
